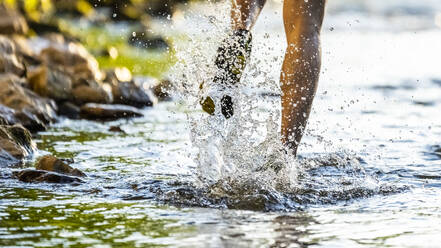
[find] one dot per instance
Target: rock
(11, 22)
(162, 90)
(22, 46)
(7, 116)
(129, 93)
(86, 91)
(108, 112)
(15, 144)
(53, 164)
(32, 111)
(23, 137)
(50, 83)
(146, 40)
(72, 58)
(126, 91)
(69, 110)
(41, 176)
(116, 129)
(9, 62)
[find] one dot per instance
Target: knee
(303, 19)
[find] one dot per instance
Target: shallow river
(373, 176)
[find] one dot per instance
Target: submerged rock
(9, 62)
(32, 111)
(116, 129)
(11, 22)
(41, 176)
(94, 111)
(51, 163)
(15, 144)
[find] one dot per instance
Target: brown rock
(22, 46)
(11, 22)
(116, 129)
(50, 83)
(40, 176)
(9, 62)
(108, 112)
(73, 58)
(15, 144)
(22, 137)
(91, 91)
(32, 111)
(51, 163)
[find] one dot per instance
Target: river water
(367, 175)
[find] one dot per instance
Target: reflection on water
(370, 162)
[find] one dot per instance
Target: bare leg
(244, 13)
(301, 67)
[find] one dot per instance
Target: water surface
(371, 174)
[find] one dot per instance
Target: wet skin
(301, 67)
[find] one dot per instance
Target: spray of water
(240, 149)
(243, 155)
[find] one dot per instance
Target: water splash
(243, 148)
(242, 157)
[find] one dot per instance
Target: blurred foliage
(33, 9)
(110, 47)
(104, 41)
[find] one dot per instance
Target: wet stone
(15, 145)
(126, 91)
(9, 62)
(69, 110)
(7, 116)
(130, 94)
(71, 57)
(108, 112)
(11, 22)
(41, 176)
(22, 46)
(31, 110)
(50, 83)
(146, 40)
(53, 164)
(90, 91)
(116, 129)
